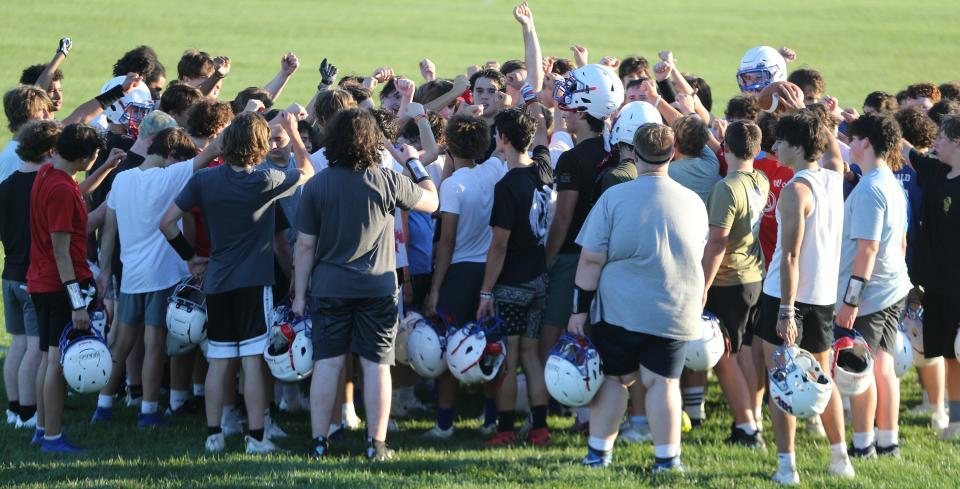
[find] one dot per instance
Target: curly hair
(208, 117)
(691, 135)
(945, 107)
(884, 135)
(246, 140)
(467, 136)
(141, 60)
(173, 143)
(37, 139)
(387, 122)
(805, 130)
(31, 75)
(352, 139)
(743, 108)
(917, 127)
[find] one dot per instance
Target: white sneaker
(12, 417)
(230, 422)
(815, 427)
(215, 443)
(30, 423)
(634, 433)
(260, 447)
(939, 421)
(952, 432)
(787, 476)
(412, 404)
(271, 430)
(842, 468)
(436, 433)
(922, 409)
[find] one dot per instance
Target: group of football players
(576, 238)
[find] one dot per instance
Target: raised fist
(405, 87)
(523, 14)
(64, 46)
(428, 70)
(289, 64)
(579, 54)
(221, 64)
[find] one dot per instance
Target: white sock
(666, 451)
(583, 415)
(601, 444)
(104, 401)
(178, 398)
(638, 420)
(748, 428)
(349, 410)
(52, 438)
(148, 407)
(693, 402)
(887, 438)
(198, 390)
(838, 451)
(787, 460)
(863, 440)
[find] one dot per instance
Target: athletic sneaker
(379, 452)
(672, 465)
(151, 420)
(30, 423)
(921, 409)
(436, 433)
(787, 476)
(60, 445)
(215, 443)
(37, 437)
(868, 452)
(102, 414)
(893, 451)
(634, 433)
(294, 403)
(337, 432)
(488, 429)
(596, 459)
(12, 417)
(951, 432)
(320, 450)
(740, 437)
(231, 422)
(939, 421)
(350, 419)
(502, 438)
(271, 430)
(842, 468)
(261, 447)
(539, 437)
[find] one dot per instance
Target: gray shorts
(879, 329)
(560, 290)
(18, 312)
(521, 307)
(147, 308)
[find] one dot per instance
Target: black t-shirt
(577, 170)
(521, 200)
(937, 260)
(491, 147)
(15, 224)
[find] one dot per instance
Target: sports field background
(859, 46)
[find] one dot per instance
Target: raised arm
(429, 199)
(531, 46)
(289, 123)
(63, 48)
(221, 68)
(94, 107)
(289, 64)
(460, 84)
(429, 150)
(94, 180)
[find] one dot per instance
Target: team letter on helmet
(759, 67)
(85, 359)
(426, 347)
(852, 364)
(632, 116)
(594, 89)
(289, 351)
(798, 385)
(573, 372)
(473, 355)
(187, 313)
(704, 352)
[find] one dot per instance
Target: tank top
(819, 259)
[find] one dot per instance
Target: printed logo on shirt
(540, 209)
(947, 204)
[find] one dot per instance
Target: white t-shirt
(140, 199)
(387, 161)
(319, 160)
(9, 160)
(560, 142)
(468, 193)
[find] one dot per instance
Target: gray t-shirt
(876, 210)
(352, 215)
(652, 230)
(290, 203)
(238, 210)
(697, 174)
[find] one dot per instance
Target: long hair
(352, 139)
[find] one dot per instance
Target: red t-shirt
(778, 177)
(722, 158)
(56, 205)
(201, 245)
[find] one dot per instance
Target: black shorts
(814, 324)
(460, 291)
(623, 352)
(941, 320)
(365, 326)
(732, 305)
(879, 329)
(237, 322)
(53, 315)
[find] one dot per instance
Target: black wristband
(417, 171)
(854, 293)
(182, 247)
(107, 98)
(582, 299)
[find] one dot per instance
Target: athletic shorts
(53, 315)
(365, 326)
(879, 329)
(814, 324)
(560, 290)
(460, 291)
(623, 352)
(732, 304)
(18, 312)
(237, 322)
(146, 308)
(521, 307)
(941, 320)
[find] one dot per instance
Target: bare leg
(39, 382)
(507, 394)
(26, 376)
(254, 390)
(153, 361)
(323, 393)
(533, 369)
(11, 366)
(376, 398)
(784, 425)
(608, 407)
(832, 417)
(663, 407)
(888, 391)
(216, 382)
(54, 392)
(734, 388)
(124, 341)
(135, 359)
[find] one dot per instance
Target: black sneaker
(321, 449)
(740, 437)
(696, 423)
(379, 452)
(891, 451)
(868, 452)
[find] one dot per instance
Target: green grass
(859, 46)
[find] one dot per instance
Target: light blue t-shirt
(9, 160)
(876, 210)
(697, 174)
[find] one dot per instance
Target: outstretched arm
(531, 46)
(94, 107)
(47, 76)
(289, 65)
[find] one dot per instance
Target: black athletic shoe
(321, 449)
(740, 437)
(696, 423)
(869, 452)
(891, 451)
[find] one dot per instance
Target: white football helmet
(573, 372)
(704, 353)
(852, 364)
(902, 353)
(472, 353)
(798, 386)
(759, 67)
(912, 324)
(403, 335)
(176, 347)
(187, 313)
(426, 347)
(85, 359)
(134, 105)
(594, 89)
(632, 116)
(289, 351)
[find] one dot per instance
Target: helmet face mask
(754, 80)
(187, 313)
(760, 66)
(798, 386)
(573, 371)
(289, 350)
(85, 359)
(593, 89)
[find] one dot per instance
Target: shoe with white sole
(939, 421)
(436, 433)
(787, 476)
(261, 447)
(634, 433)
(842, 468)
(131, 401)
(12, 417)
(215, 443)
(28, 424)
(271, 430)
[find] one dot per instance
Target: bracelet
(854, 293)
(73, 293)
(182, 247)
(107, 98)
(656, 105)
(582, 299)
(528, 94)
(419, 117)
(486, 296)
(417, 170)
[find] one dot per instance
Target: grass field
(859, 46)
